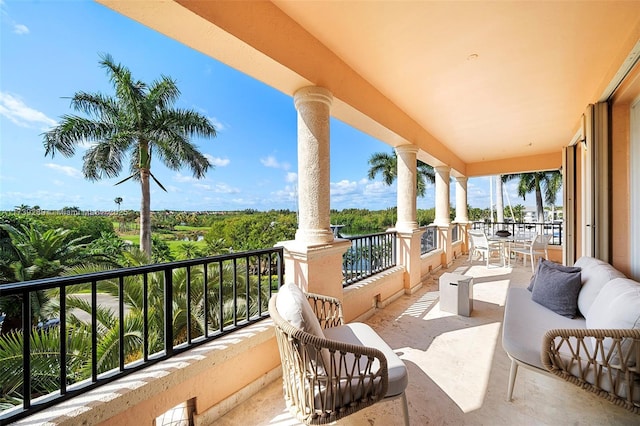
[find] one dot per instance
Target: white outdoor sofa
(598, 349)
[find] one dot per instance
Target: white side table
(456, 294)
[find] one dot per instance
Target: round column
(442, 195)
(313, 105)
(407, 187)
(462, 214)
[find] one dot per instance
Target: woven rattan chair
(328, 378)
(607, 367)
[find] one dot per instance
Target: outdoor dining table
(506, 242)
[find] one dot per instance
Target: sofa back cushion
(595, 274)
(617, 306)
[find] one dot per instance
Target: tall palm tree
(545, 183)
(387, 165)
(118, 201)
(139, 120)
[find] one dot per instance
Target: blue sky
(50, 50)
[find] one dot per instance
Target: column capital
(411, 149)
(442, 169)
(461, 179)
(312, 94)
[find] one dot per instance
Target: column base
(316, 268)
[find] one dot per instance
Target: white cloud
(223, 188)
(217, 162)
(291, 177)
(179, 177)
(20, 114)
(20, 29)
(217, 124)
(67, 170)
(344, 187)
(377, 188)
(272, 161)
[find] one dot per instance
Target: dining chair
(537, 247)
(481, 244)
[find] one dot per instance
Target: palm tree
(118, 201)
(547, 182)
(34, 255)
(139, 120)
(387, 165)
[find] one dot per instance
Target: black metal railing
(112, 323)
(455, 233)
(368, 255)
(429, 241)
(524, 229)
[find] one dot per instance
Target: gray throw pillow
(550, 264)
(556, 287)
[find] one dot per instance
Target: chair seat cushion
(363, 335)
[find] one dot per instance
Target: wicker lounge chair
(326, 378)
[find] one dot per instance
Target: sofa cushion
(595, 274)
(554, 265)
(525, 324)
(556, 287)
(617, 306)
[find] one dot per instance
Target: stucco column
(313, 261)
(462, 214)
(442, 220)
(313, 104)
(442, 195)
(407, 224)
(407, 180)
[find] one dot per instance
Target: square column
(409, 256)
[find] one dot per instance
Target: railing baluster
(235, 291)
(145, 317)
(94, 330)
(168, 312)
(259, 285)
(205, 298)
(247, 287)
(26, 349)
(121, 321)
(63, 340)
(188, 303)
(220, 298)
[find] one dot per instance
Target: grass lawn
(174, 245)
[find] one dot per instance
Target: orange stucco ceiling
(481, 86)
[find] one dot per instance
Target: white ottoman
(456, 294)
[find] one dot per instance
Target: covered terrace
(473, 89)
